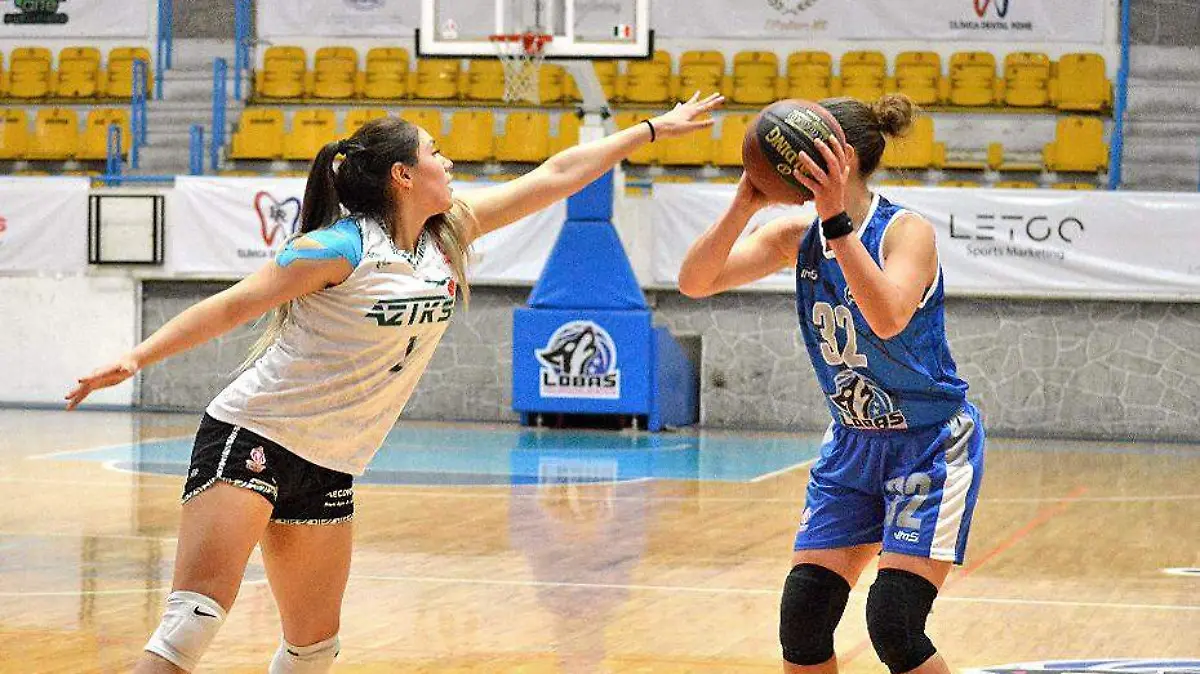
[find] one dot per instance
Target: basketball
(774, 141)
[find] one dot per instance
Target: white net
(521, 56)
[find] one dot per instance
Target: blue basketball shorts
(914, 491)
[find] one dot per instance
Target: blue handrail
(1117, 146)
(166, 44)
(110, 179)
(137, 115)
(242, 41)
(112, 154)
(220, 73)
(196, 150)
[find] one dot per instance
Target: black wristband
(653, 135)
(836, 227)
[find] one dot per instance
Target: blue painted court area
(489, 456)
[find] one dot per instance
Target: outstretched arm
(717, 261)
(574, 168)
(253, 296)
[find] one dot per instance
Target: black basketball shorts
(301, 492)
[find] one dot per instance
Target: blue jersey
(908, 381)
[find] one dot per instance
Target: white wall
(57, 329)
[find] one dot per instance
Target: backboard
(581, 29)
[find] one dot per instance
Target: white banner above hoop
(579, 28)
(51, 19)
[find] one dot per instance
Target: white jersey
(334, 382)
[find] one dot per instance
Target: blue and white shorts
(913, 490)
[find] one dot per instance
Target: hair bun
(894, 114)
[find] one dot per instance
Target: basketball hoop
(522, 55)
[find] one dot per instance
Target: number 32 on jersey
(828, 319)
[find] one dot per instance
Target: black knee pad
(814, 599)
(897, 606)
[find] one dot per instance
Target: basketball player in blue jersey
(901, 464)
(362, 298)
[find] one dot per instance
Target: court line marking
(131, 446)
(784, 470)
(685, 589)
(756, 592)
(421, 491)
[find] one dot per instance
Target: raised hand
(828, 186)
(683, 118)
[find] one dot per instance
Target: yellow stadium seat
(809, 76)
(283, 73)
(646, 154)
(1075, 186)
(118, 79)
(78, 72)
(606, 73)
(55, 135)
(30, 74)
(334, 74)
(471, 137)
(94, 146)
(755, 77)
(728, 149)
(292, 173)
(1081, 83)
(426, 118)
(359, 116)
(312, 129)
(864, 75)
(485, 80)
(1078, 146)
(568, 132)
(693, 149)
(1026, 79)
(700, 71)
(915, 150)
(3, 78)
(1015, 185)
(902, 182)
(258, 134)
(526, 137)
(552, 83)
(919, 76)
(14, 133)
(648, 81)
(958, 183)
(973, 79)
(386, 75)
(437, 79)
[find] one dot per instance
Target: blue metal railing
(166, 44)
(1117, 146)
(137, 111)
(112, 154)
(196, 150)
(119, 179)
(242, 41)
(220, 74)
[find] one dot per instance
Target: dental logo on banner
(230, 227)
(1015, 243)
(43, 225)
(75, 18)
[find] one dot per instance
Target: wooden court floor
(576, 573)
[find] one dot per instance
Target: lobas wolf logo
(579, 361)
(1132, 666)
(791, 6)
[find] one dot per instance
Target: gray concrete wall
(1165, 23)
(1065, 369)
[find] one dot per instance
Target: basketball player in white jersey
(361, 298)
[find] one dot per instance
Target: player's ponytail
(866, 125)
(320, 207)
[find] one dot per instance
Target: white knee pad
(187, 628)
(315, 659)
